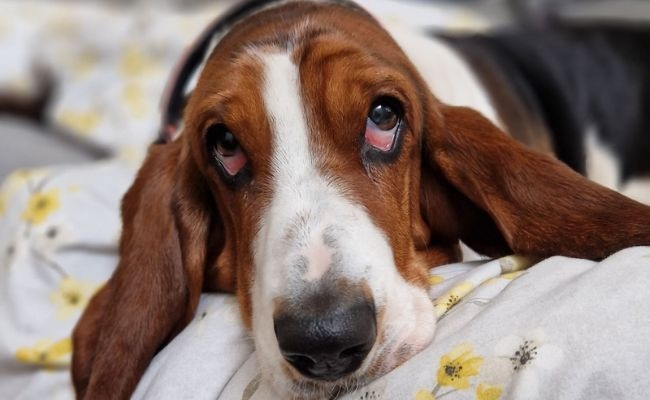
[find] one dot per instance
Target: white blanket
(564, 329)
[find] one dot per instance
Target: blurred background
(81, 80)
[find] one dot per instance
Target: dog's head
(306, 123)
(319, 178)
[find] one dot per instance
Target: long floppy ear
(153, 293)
(507, 198)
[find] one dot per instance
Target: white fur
(602, 166)
(637, 189)
(304, 206)
(319, 258)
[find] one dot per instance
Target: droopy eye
(225, 149)
(382, 124)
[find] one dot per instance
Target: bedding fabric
(562, 329)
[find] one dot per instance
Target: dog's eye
(383, 116)
(382, 124)
(225, 149)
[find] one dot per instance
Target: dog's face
(309, 133)
(318, 178)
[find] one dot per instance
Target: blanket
(563, 328)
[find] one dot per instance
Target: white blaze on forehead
(298, 186)
(291, 156)
(602, 165)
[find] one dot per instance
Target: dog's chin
(310, 389)
(289, 384)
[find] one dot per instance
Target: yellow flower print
(40, 205)
(81, 122)
(508, 276)
(134, 62)
(72, 296)
(457, 366)
(435, 279)
(46, 353)
(452, 297)
(20, 177)
(84, 63)
(15, 182)
(487, 392)
(511, 275)
(424, 394)
(134, 98)
(3, 203)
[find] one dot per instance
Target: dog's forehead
(337, 80)
(312, 34)
(278, 22)
(290, 25)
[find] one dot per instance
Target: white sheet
(586, 325)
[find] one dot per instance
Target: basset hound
(320, 173)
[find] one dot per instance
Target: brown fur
(540, 206)
(456, 177)
(159, 278)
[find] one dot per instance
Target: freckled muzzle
(326, 335)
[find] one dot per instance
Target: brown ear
(504, 198)
(167, 222)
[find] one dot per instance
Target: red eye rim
(232, 163)
(225, 150)
(383, 138)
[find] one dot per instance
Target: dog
(320, 173)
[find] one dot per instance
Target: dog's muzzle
(328, 335)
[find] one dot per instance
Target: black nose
(329, 339)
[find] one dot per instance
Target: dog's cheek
(408, 322)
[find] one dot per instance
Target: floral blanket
(563, 328)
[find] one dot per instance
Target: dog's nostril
(302, 363)
(329, 343)
(354, 351)
(298, 359)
